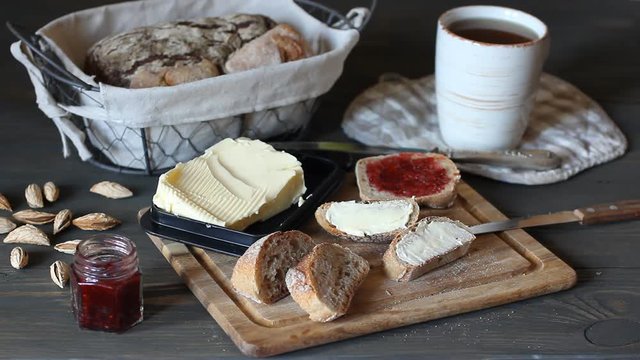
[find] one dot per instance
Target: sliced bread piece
(429, 177)
(368, 221)
(434, 241)
(326, 279)
(259, 274)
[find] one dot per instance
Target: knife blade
(517, 159)
(610, 212)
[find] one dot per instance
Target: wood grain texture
(594, 46)
(499, 269)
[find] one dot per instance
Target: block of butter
(234, 184)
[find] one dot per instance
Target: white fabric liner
(215, 98)
(402, 113)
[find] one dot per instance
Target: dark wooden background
(595, 45)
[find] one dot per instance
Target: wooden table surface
(595, 45)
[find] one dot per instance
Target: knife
(615, 211)
(517, 159)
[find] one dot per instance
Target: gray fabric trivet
(402, 113)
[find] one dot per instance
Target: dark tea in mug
(493, 31)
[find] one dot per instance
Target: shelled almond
(96, 221)
(111, 190)
(51, 191)
(59, 272)
(18, 258)
(4, 203)
(34, 217)
(6, 225)
(33, 194)
(27, 234)
(62, 220)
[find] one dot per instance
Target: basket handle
(49, 66)
(357, 18)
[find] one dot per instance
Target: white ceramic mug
(485, 90)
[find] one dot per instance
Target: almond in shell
(96, 221)
(51, 191)
(68, 247)
(27, 234)
(6, 225)
(4, 203)
(33, 194)
(111, 189)
(59, 271)
(34, 217)
(18, 258)
(62, 220)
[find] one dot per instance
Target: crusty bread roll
(278, 45)
(172, 53)
(430, 249)
(442, 198)
(325, 281)
(259, 274)
(381, 237)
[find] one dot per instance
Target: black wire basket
(147, 150)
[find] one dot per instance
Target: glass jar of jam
(106, 284)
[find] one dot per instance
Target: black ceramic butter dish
(321, 175)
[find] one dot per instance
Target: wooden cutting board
(500, 268)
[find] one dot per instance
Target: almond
(33, 194)
(4, 203)
(27, 234)
(6, 225)
(51, 191)
(95, 221)
(68, 247)
(34, 217)
(18, 258)
(59, 271)
(62, 220)
(111, 189)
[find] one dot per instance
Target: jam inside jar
(106, 284)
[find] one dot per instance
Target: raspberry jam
(106, 284)
(407, 174)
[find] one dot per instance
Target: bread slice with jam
(430, 178)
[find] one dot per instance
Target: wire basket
(153, 150)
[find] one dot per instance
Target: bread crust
(278, 45)
(306, 290)
(172, 53)
(248, 273)
(321, 218)
(398, 270)
(439, 200)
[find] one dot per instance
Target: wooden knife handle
(615, 211)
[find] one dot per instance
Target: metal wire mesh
(153, 150)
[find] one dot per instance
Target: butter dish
(321, 175)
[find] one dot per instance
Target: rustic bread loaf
(325, 281)
(424, 247)
(278, 45)
(323, 217)
(172, 53)
(259, 274)
(442, 198)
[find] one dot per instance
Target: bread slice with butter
(259, 274)
(325, 281)
(234, 184)
(368, 221)
(434, 241)
(428, 177)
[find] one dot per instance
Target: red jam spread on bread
(407, 175)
